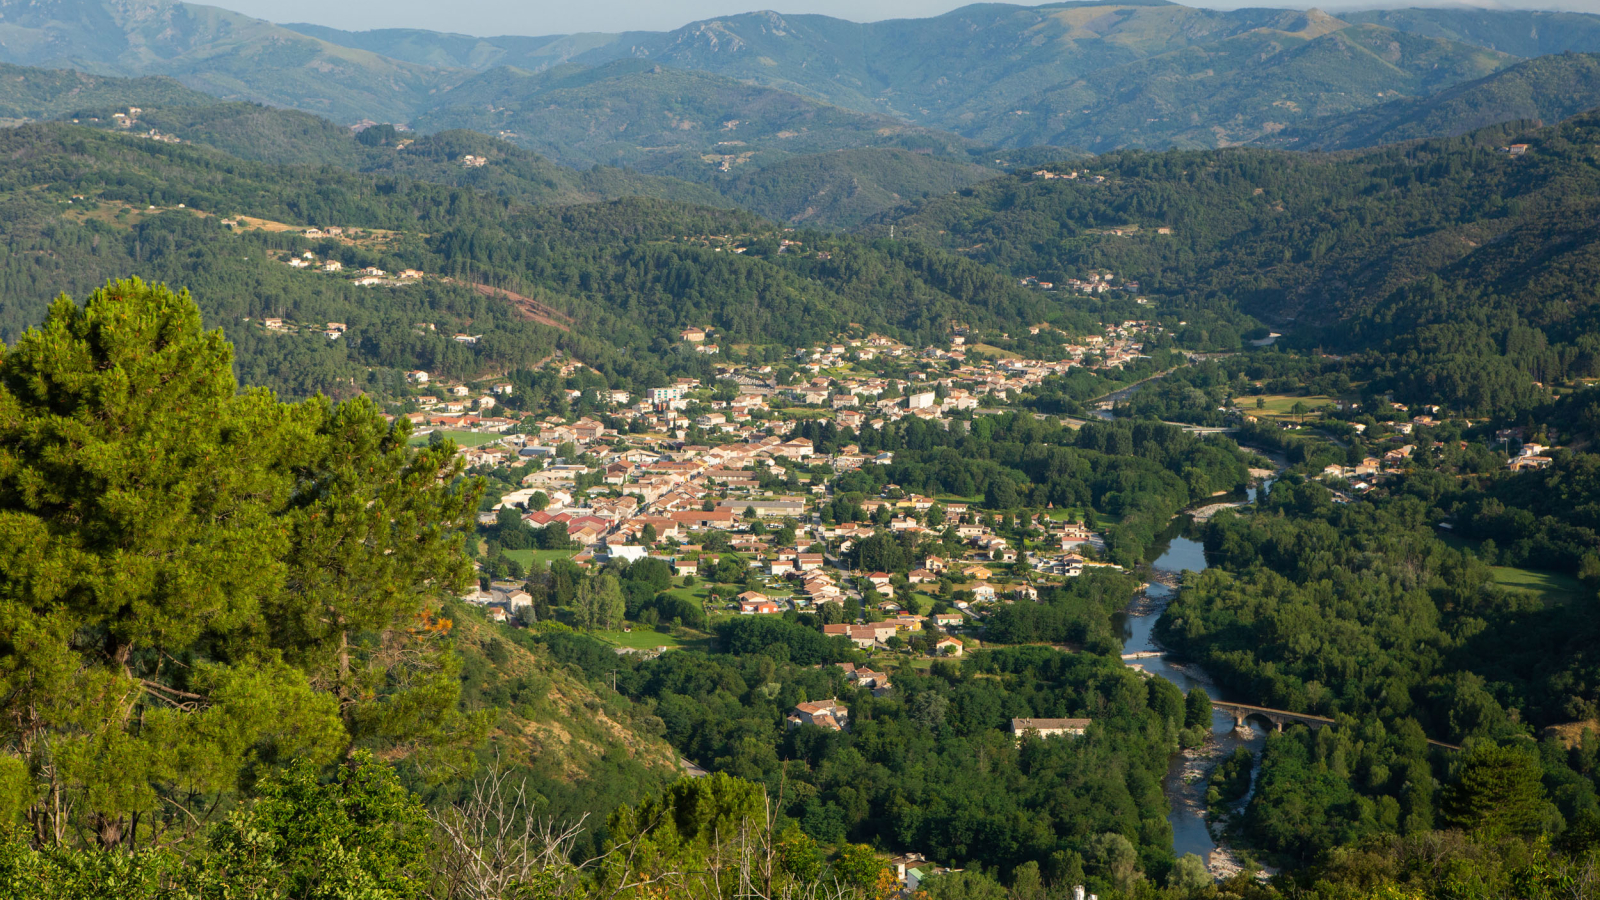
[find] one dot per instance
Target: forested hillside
(1454, 255)
(33, 93)
(845, 188)
(290, 137)
(1295, 67)
(659, 119)
(624, 274)
(461, 51)
(1096, 76)
(1526, 33)
(832, 189)
(1546, 90)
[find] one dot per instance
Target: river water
(1184, 785)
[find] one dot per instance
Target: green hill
(1450, 254)
(584, 750)
(28, 93)
(608, 283)
(1547, 89)
(846, 187)
(291, 137)
(832, 189)
(1098, 75)
(940, 70)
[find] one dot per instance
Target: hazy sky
(539, 17)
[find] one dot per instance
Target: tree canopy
(198, 583)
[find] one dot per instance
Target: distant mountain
(1101, 75)
(1095, 75)
(942, 71)
(1239, 88)
(745, 91)
(669, 121)
(216, 51)
(462, 51)
(1525, 33)
(1547, 89)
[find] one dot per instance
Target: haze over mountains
(1096, 76)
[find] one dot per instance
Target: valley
(1091, 450)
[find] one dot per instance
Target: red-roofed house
(829, 714)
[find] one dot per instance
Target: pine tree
(1498, 791)
(197, 581)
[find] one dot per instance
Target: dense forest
(1359, 612)
(932, 766)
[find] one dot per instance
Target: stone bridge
(1241, 712)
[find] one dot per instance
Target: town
(697, 474)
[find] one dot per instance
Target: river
(1184, 786)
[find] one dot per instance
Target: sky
(544, 17)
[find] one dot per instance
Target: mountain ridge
(216, 51)
(995, 74)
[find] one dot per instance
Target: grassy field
(1553, 586)
(994, 351)
(640, 638)
(696, 595)
(1278, 405)
(527, 558)
(462, 438)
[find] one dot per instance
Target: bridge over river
(1282, 717)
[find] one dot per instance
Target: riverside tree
(198, 584)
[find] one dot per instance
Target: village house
(752, 603)
(829, 714)
(1047, 728)
(1531, 456)
(861, 676)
